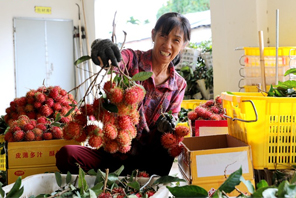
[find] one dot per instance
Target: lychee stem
(106, 179)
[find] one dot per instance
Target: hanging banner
(42, 10)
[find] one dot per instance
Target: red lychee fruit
(95, 141)
(207, 114)
(87, 109)
(108, 86)
(116, 95)
(123, 109)
(110, 131)
(19, 135)
(29, 108)
(54, 93)
(80, 119)
(209, 103)
(135, 117)
(108, 117)
(41, 126)
(65, 120)
(22, 101)
(175, 151)
(123, 122)
(49, 102)
(124, 148)
(37, 105)
(192, 115)
(47, 136)
(93, 130)
(46, 110)
(140, 91)
(111, 146)
(182, 130)
(42, 120)
(28, 127)
(218, 100)
(168, 140)
(40, 97)
(215, 109)
(63, 92)
(123, 138)
(29, 136)
(72, 129)
(132, 131)
(57, 106)
(105, 195)
(131, 96)
(82, 137)
(215, 117)
(200, 111)
(57, 132)
(8, 137)
(38, 132)
(143, 174)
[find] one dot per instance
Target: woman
(164, 93)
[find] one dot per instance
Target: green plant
(205, 46)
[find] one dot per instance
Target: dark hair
(170, 20)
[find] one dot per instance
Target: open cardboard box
(210, 127)
(206, 159)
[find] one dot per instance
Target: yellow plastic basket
(267, 124)
(2, 157)
(271, 51)
(191, 104)
(254, 88)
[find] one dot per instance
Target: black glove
(106, 50)
(166, 123)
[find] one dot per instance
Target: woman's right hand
(104, 50)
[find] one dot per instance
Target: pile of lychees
(171, 141)
(31, 118)
(45, 101)
(118, 113)
(210, 110)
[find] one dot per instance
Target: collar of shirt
(147, 67)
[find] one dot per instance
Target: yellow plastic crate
(271, 51)
(2, 157)
(191, 104)
(272, 136)
(253, 88)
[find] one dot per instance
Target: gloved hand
(166, 123)
(106, 50)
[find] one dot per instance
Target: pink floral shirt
(159, 98)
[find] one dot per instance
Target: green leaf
(112, 177)
(293, 179)
(270, 193)
(229, 92)
(82, 59)
(98, 188)
(110, 107)
(188, 191)
(18, 193)
(248, 183)
(92, 194)
(167, 179)
(232, 181)
(68, 177)
(82, 185)
(119, 171)
(58, 178)
(290, 71)
(2, 192)
(69, 112)
(141, 76)
(92, 172)
(56, 124)
(282, 188)
(134, 185)
(262, 184)
(15, 187)
(58, 117)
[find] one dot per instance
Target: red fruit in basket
(215, 117)
(105, 195)
(37, 105)
(207, 114)
(40, 97)
(41, 126)
(150, 193)
(45, 110)
(215, 109)
(200, 111)
(22, 101)
(143, 174)
(57, 132)
(123, 122)
(19, 135)
(209, 103)
(110, 131)
(42, 120)
(47, 136)
(63, 92)
(192, 115)
(182, 130)
(29, 108)
(131, 96)
(8, 137)
(65, 120)
(168, 140)
(28, 127)
(218, 100)
(57, 106)
(116, 95)
(38, 132)
(95, 141)
(175, 151)
(29, 136)
(49, 102)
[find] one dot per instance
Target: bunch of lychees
(210, 110)
(26, 129)
(118, 112)
(171, 141)
(45, 101)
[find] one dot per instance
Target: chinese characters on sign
(37, 154)
(42, 10)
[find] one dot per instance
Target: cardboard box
(35, 153)
(206, 159)
(210, 127)
(13, 173)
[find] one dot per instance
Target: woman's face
(167, 47)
